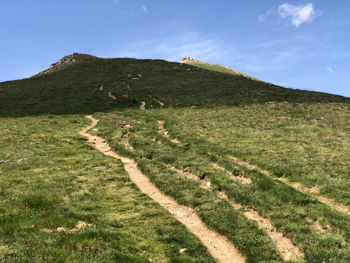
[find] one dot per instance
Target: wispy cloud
(298, 14)
(262, 17)
(173, 47)
(144, 9)
(190, 44)
(116, 1)
(270, 56)
(330, 70)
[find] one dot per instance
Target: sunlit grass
(50, 179)
(287, 140)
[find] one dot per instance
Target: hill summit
(62, 63)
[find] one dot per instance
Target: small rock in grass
(203, 176)
(182, 250)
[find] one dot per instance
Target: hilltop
(214, 67)
(63, 63)
(85, 84)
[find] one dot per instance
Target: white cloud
(116, 1)
(298, 14)
(262, 17)
(144, 9)
(330, 70)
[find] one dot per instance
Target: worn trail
(218, 246)
(312, 191)
(284, 245)
(166, 133)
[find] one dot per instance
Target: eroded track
(218, 246)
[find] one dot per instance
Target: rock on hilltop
(62, 63)
(215, 67)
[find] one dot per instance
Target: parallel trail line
(218, 246)
(297, 186)
(284, 245)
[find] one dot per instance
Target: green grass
(211, 135)
(307, 143)
(50, 177)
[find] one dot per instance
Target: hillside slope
(265, 168)
(88, 84)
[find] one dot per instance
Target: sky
(296, 44)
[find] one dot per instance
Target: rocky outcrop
(62, 63)
(188, 59)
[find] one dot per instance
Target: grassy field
(50, 179)
(62, 201)
(291, 141)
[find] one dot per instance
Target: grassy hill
(225, 144)
(83, 86)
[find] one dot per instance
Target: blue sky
(298, 44)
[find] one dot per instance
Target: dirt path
(242, 179)
(313, 191)
(218, 246)
(203, 184)
(143, 105)
(317, 226)
(166, 133)
(284, 246)
(161, 104)
(110, 94)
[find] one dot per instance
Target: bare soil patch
(204, 184)
(161, 104)
(166, 133)
(284, 246)
(110, 94)
(242, 179)
(143, 105)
